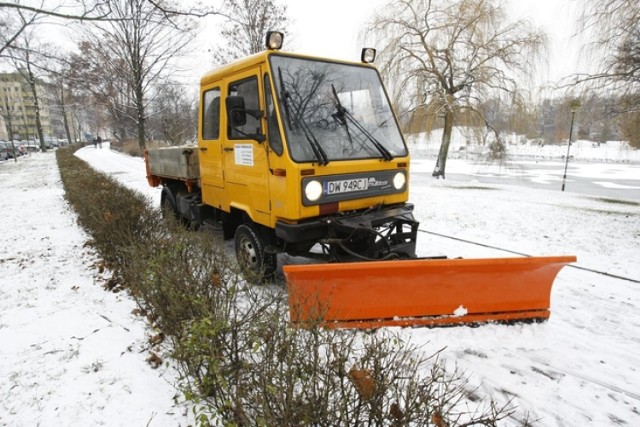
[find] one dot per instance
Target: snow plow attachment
(422, 292)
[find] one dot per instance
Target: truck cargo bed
(179, 162)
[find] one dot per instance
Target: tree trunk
(10, 127)
(9, 118)
(141, 131)
(139, 93)
(441, 163)
(36, 104)
(64, 116)
(43, 146)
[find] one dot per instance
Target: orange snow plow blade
(422, 292)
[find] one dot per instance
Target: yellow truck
(304, 156)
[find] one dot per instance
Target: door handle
(228, 149)
(202, 148)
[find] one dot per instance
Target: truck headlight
(313, 190)
(399, 180)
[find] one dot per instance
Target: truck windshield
(334, 111)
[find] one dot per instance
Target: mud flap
(422, 292)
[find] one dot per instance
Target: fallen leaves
(154, 360)
(364, 383)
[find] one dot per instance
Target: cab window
(248, 90)
(211, 114)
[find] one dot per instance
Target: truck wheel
(167, 208)
(250, 253)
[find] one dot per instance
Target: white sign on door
(243, 154)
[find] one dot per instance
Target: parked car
(4, 154)
(51, 142)
(24, 150)
(7, 151)
(31, 146)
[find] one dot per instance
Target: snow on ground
(579, 368)
(462, 146)
(72, 354)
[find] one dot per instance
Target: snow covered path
(72, 354)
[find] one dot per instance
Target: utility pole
(575, 105)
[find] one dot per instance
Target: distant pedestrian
(99, 141)
(95, 142)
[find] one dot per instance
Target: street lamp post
(575, 105)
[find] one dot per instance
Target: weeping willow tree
(446, 57)
(612, 28)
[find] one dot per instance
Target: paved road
(611, 180)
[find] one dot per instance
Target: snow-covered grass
(71, 351)
(463, 146)
(72, 354)
(580, 367)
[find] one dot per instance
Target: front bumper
(397, 221)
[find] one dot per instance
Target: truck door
(245, 159)
(210, 147)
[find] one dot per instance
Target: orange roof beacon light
(274, 40)
(368, 55)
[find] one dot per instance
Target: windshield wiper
(318, 151)
(343, 117)
(284, 95)
(321, 155)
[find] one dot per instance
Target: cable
(590, 270)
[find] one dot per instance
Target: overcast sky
(331, 28)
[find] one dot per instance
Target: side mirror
(235, 111)
(237, 116)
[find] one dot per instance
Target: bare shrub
(127, 147)
(112, 214)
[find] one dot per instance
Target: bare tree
(139, 50)
(614, 29)
(449, 56)
(613, 26)
(103, 90)
(13, 24)
(173, 113)
(16, 16)
(23, 55)
(60, 98)
(247, 24)
(81, 11)
(630, 127)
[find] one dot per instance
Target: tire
(250, 254)
(167, 207)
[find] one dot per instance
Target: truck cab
(301, 155)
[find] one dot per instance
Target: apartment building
(18, 107)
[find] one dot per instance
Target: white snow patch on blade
(460, 311)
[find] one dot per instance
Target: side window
(247, 89)
(273, 131)
(211, 114)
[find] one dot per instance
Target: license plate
(346, 186)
